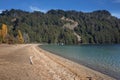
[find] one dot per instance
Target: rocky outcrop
(71, 24)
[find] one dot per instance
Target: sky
(113, 6)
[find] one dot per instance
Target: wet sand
(29, 62)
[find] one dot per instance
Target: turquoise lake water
(103, 58)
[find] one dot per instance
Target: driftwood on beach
(31, 61)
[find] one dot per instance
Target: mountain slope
(94, 27)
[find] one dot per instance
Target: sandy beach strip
(30, 62)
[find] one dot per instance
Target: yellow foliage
(6, 38)
(0, 36)
(4, 30)
(0, 32)
(20, 37)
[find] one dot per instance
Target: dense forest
(59, 26)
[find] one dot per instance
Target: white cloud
(117, 1)
(33, 8)
(1, 11)
(116, 15)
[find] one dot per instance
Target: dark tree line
(95, 27)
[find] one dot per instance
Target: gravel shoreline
(30, 62)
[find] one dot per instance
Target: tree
(3, 33)
(94, 27)
(26, 38)
(0, 36)
(20, 37)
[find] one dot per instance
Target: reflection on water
(104, 58)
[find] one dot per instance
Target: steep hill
(51, 27)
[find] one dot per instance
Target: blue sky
(112, 6)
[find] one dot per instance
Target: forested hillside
(58, 26)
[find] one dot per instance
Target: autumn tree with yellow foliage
(10, 38)
(0, 36)
(3, 33)
(20, 37)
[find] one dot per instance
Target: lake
(103, 58)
